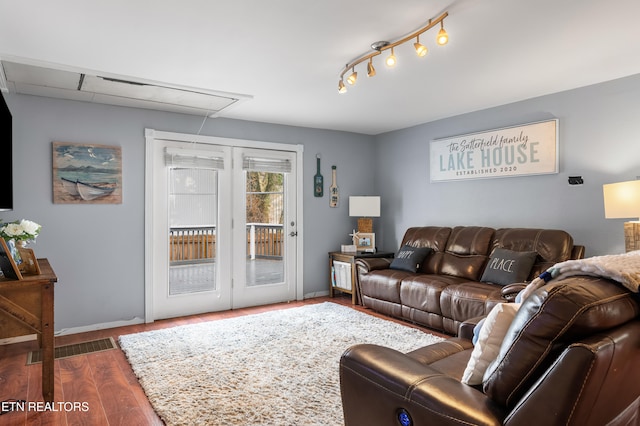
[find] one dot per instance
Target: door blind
(273, 165)
(193, 159)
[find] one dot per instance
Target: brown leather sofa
(569, 357)
(446, 290)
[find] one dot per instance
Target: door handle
(293, 233)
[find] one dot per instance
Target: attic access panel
(155, 94)
(122, 91)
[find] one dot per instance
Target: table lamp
(365, 208)
(622, 200)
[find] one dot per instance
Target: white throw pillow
(489, 340)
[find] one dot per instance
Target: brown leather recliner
(570, 357)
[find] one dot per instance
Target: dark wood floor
(102, 384)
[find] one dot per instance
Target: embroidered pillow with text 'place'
(508, 266)
(410, 258)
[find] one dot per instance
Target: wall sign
(530, 149)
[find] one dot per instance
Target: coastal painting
(87, 174)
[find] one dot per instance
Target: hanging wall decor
(334, 193)
(530, 149)
(318, 180)
(87, 174)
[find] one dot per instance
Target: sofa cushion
(423, 291)
(490, 337)
(558, 313)
(468, 299)
(465, 240)
(469, 267)
(383, 284)
(508, 266)
(434, 237)
(410, 258)
(466, 252)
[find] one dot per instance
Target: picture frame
(29, 265)
(365, 241)
(7, 264)
(86, 173)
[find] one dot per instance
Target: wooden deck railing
(192, 245)
(265, 240)
(198, 244)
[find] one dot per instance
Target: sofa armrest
(378, 383)
(465, 330)
(440, 350)
(577, 252)
(366, 265)
(510, 291)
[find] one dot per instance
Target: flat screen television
(6, 157)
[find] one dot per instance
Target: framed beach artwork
(87, 174)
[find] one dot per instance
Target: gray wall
(598, 139)
(97, 251)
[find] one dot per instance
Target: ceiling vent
(114, 90)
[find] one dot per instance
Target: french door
(265, 226)
(222, 224)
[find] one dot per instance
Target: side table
(343, 276)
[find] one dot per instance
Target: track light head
(443, 37)
(391, 60)
(421, 49)
(341, 87)
(353, 77)
(371, 71)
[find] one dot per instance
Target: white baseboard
(316, 294)
(74, 330)
(102, 326)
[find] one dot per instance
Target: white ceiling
(287, 54)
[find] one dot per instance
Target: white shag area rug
(274, 368)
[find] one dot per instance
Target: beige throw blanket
(624, 268)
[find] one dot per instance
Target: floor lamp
(622, 200)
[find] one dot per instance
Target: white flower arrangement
(23, 230)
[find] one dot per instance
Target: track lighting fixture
(380, 46)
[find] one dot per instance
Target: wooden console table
(26, 307)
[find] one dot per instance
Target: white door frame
(151, 136)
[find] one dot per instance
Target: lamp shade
(364, 206)
(622, 200)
